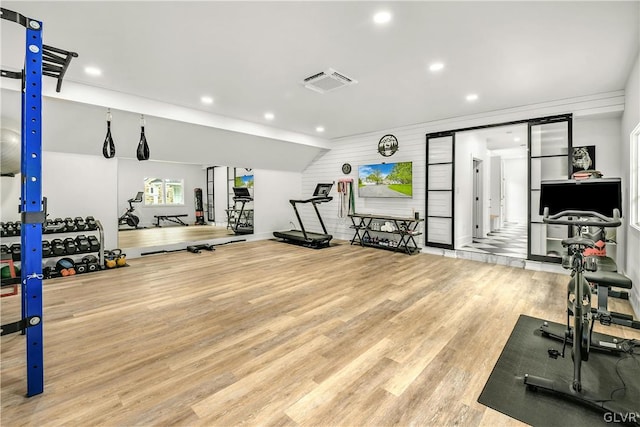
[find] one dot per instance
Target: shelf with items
(398, 232)
(73, 240)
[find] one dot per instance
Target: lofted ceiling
(251, 57)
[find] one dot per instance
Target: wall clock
(388, 145)
(346, 168)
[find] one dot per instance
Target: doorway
(498, 197)
(495, 210)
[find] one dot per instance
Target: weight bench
(604, 280)
(171, 218)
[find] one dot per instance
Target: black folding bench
(171, 218)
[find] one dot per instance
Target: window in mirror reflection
(163, 191)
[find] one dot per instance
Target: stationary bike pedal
(553, 353)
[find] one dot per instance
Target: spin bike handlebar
(595, 219)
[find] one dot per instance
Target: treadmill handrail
(242, 199)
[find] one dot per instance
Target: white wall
(631, 239)
(80, 185)
(495, 186)
(362, 149)
(131, 175)
(272, 210)
(10, 198)
(515, 190)
(604, 133)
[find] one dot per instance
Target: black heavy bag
(199, 206)
(108, 148)
(143, 147)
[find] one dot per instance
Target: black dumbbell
(57, 247)
(9, 229)
(92, 262)
(70, 247)
(81, 267)
(46, 248)
(80, 223)
(69, 224)
(91, 223)
(82, 243)
(4, 250)
(94, 243)
(18, 226)
(15, 250)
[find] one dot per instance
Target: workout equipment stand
(39, 60)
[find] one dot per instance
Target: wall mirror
(164, 203)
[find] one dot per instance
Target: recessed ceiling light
(206, 100)
(472, 97)
(516, 139)
(93, 71)
(436, 66)
(382, 17)
(269, 116)
(319, 129)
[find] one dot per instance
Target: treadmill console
(322, 190)
(241, 193)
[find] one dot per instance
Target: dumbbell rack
(100, 252)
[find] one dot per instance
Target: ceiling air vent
(326, 81)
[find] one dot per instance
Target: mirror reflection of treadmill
(302, 236)
(243, 223)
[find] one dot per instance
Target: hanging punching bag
(143, 147)
(109, 148)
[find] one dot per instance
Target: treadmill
(302, 236)
(242, 195)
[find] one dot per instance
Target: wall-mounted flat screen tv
(386, 180)
(244, 181)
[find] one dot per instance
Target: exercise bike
(128, 218)
(579, 333)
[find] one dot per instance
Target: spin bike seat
(138, 198)
(578, 241)
(608, 278)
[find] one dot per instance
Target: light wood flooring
(266, 333)
(170, 234)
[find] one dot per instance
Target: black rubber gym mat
(526, 353)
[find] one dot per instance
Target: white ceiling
(251, 56)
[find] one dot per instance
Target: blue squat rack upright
(39, 60)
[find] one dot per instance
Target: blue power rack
(39, 59)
